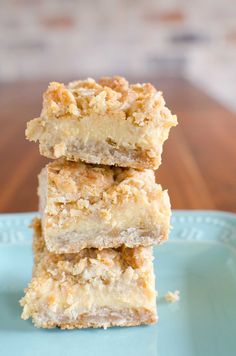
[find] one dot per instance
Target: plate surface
(199, 260)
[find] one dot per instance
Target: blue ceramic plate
(199, 261)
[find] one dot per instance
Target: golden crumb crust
(138, 103)
(94, 183)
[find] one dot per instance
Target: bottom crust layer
(102, 318)
(103, 153)
(72, 242)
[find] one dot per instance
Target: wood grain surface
(199, 160)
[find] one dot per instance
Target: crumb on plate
(172, 297)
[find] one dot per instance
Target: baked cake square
(112, 287)
(107, 122)
(89, 206)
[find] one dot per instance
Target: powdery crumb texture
(137, 103)
(172, 297)
(87, 187)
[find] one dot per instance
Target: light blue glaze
(199, 260)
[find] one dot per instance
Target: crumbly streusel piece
(110, 122)
(172, 297)
(112, 287)
(84, 206)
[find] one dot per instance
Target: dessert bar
(111, 287)
(84, 206)
(107, 122)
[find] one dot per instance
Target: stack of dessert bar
(100, 207)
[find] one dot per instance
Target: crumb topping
(73, 188)
(138, 103)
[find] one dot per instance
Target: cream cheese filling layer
(86, 298)
(139, 214)
(120, 132)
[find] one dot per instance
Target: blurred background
(63, 38)
(186, 48)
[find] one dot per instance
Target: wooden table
(199, 161)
